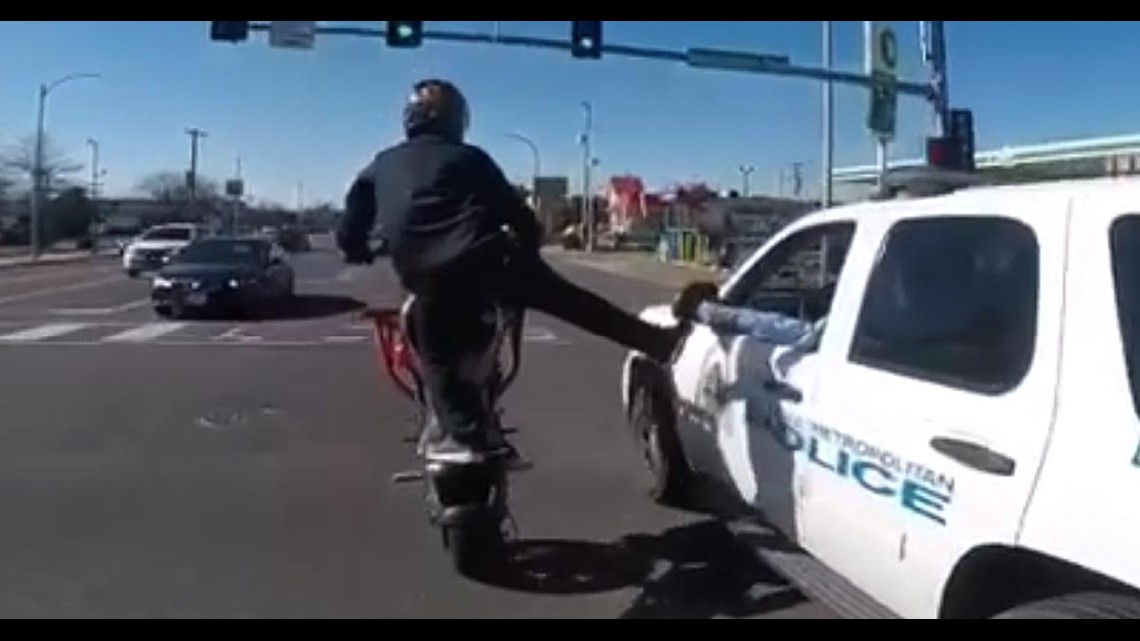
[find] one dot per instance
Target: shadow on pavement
(301, 307)
(693, 571)
(310, 306)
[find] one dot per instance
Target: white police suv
(960, 439)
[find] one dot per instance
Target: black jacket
(437, 201)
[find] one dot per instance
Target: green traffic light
(404, 32)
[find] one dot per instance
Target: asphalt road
(223, 469)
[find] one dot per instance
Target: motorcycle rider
(443, 205)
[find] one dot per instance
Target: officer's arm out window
(797, 277)
(953, 300)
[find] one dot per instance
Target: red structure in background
(629, 205)
(625, 202)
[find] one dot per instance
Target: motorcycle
(467, 502)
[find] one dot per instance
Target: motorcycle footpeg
(410, 476)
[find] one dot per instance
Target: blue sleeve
(764, 326)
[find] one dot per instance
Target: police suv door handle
(783, 391)
(974, 455)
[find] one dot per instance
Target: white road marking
(232, 334)
(147, 332)
(347, 274)
(59, 290)
(102, 311)
(41, 332)
(344, 339)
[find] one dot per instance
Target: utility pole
(587, 161)
(192, 177)
(234, 223)
(797, 179)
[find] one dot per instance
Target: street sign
(882, 48)
(882, 60)
(734, 60)
(292, 34)
(235, 188)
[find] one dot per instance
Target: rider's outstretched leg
(544, 289)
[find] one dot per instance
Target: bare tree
(171, 187)
(19, 161)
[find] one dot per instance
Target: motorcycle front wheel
(475, 545)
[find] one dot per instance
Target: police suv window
(953, 300)
(797, 277)
(1124, 238)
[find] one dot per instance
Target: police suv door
(753, 441)
(934, 416)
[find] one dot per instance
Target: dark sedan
(241, 275)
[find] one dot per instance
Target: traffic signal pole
(717, 59)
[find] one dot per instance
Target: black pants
(453, 325)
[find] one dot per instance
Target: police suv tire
(1079, 605)
(668, 473)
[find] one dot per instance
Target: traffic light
(229, 30)
(955, 150)
(586, 39)
(940, 153)
(405, 33)
(962, 135)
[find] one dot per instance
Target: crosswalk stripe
(147, 332)
(41, 332)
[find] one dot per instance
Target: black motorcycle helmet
(436, 107)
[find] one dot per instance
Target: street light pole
(536, 172)
(94, 189)
(746, 179)
(38, 155)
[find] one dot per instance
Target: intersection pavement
(217, 468)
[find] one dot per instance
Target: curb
(43, 262)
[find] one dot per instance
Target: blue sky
(317, 116)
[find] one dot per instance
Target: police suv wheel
(1079, 605)
(668, 474)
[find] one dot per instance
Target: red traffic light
(940, 153)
